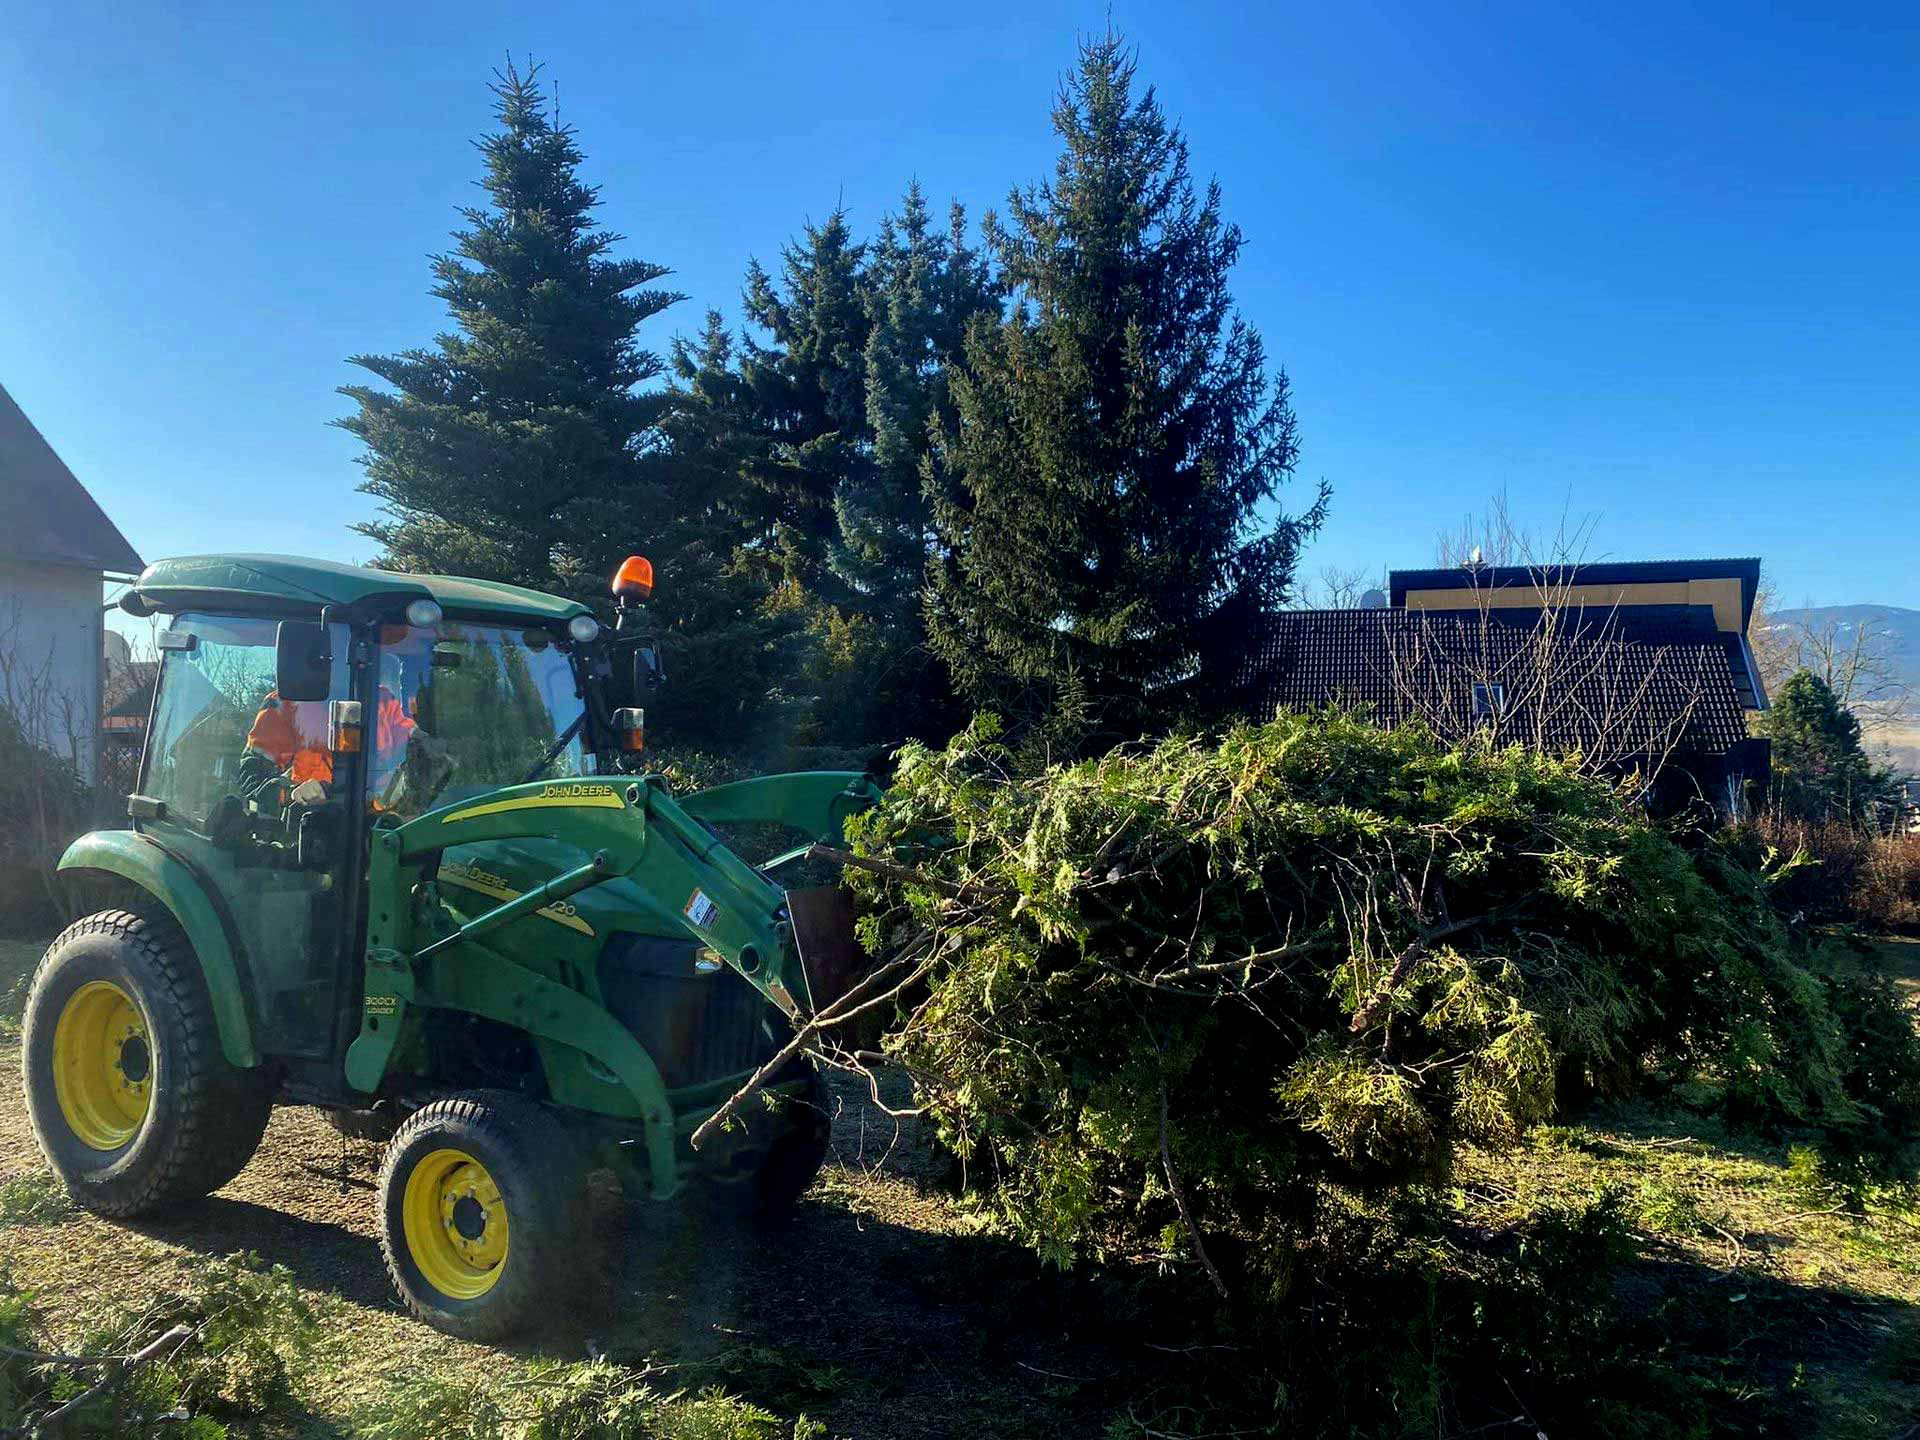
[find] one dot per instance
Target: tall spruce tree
(1103, 495)
(804, 399)
(837, 397)
(922, 288)
(731, 658)
(491, 445)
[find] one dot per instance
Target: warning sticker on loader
(700, 910)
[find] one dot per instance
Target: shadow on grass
(877, 1328)
(888, 1332)
(322, 1256)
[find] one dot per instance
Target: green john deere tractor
(395, 854)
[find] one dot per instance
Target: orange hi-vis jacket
(294, 736)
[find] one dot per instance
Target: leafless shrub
(1564, 685)
(1887, 895)
(45, 731)
(1856, 875)
(1566, 682)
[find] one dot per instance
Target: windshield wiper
(566, 739)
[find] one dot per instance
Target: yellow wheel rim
(103, 1065)
(455, 1224)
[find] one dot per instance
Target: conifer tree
(1820, 769)
(1105, 496)
(804, 399)
(731, 658)
(921, 290)
(836, 403)
(492, 442)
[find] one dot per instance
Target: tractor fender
(133, 857)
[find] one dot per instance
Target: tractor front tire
(132, 1101)
(795, 1158)
(483, 1214)
(768, 1186)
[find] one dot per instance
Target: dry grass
(880, 1311)
(884, 1312)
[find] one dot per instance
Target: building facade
(56, 548)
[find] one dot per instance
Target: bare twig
(856, 1001)
(122, 1366)
(1738, 1253)
(1367, 1014)
(1180, 1201)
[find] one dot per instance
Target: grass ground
(884, 1313)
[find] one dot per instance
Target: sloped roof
(128, 690)
(1595, 689)
(50, 517)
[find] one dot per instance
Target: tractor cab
(278, 741)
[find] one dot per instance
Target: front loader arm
(817, 802)
(629, 828)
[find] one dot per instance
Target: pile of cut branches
(1168, 999)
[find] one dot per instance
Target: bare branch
(1180, 1202)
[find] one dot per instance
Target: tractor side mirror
(302, 661)
(648, 673)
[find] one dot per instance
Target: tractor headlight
(423, 614)
(583, 629)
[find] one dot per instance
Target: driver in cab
(293, 736)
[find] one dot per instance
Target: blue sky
(1650, 263)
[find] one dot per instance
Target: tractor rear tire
(132, 1101)
(483, 1215)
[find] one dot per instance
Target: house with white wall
(56, 548)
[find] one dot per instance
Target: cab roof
(280, 582)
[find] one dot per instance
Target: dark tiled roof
(1587, 689)
(51, 519)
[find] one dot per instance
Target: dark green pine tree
(1106, 497)
(1821, 771)
(491, 444)
(922, 289)
(730, 657)
(804, 400)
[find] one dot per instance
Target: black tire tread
(795, 1158)
(223, 1110)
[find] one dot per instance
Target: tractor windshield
(465, 708)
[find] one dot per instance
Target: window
(489, 705)
(213, 696)
(1489, 701)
